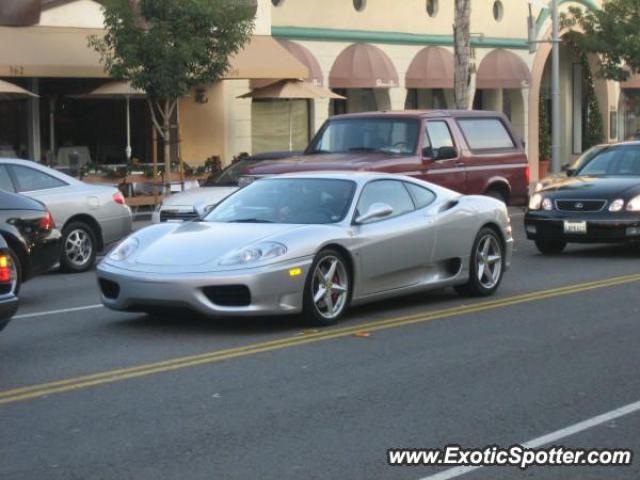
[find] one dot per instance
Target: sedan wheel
(328, 289)
(486, 265)
(78, 248)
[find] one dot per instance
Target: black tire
(497, 194)
(550, 247)
(19, 271)
(475, 286)
(81, 260)
(312, 311)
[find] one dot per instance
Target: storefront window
(631, 112)
(277, 123)
(14, 138)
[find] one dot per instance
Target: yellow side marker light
(294, 272)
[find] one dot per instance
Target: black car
(8, 300)
(28, 228)
(598, 203)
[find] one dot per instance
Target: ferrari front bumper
(270, 290)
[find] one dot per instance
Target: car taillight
(5, 269)
(46, 222)
(118, 198)
(527, 174)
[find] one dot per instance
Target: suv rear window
(485, 134)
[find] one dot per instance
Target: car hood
(196, 246)
(592, 187)
(322, 162)
(202, 195)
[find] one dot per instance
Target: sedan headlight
(547, 204)
(125, 249)
(253, 253)
(634, 204)
(535, 201)
(616, 205)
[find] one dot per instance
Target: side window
(5, 180)
(437, 134)
(423, 197)
(486, 134)
(30, 179)
(391, 192)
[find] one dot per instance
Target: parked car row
(49, 219)
(311, 233)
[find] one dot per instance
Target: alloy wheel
(78, 247)
(330, 287)
(489, 261)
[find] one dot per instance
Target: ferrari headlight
(125, 249)
(253, 253)
(634, 204)
(535, 201)
(616, 205)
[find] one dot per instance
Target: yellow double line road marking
(67, 385)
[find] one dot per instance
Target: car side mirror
(377, 210)
(446, 153)
(427, 153)
(202, 209)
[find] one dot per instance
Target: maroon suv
(472, 152)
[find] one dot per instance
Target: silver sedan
(313, 243)
(89, 216)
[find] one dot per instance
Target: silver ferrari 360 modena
(313, 243)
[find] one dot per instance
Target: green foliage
(594, 128)
(167, 47)
(612, 32)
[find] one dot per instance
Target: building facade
(379, 54)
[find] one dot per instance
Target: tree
(168, 47)
(462, 53)
(612, 32)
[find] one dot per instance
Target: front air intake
(109, 289)
(228, 295)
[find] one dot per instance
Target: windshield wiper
(251, 220)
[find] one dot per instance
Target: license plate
(575, 227)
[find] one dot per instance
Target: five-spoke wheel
(328, 288)
(486, 265)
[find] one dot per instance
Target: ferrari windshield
(397, 136)
(621, 160)
(287, 200)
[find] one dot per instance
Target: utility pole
(555, 88)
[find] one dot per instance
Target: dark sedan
(8, 301)
(34, 242)
(598, 203)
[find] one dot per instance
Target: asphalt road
(93, 394)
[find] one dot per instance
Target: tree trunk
(462, 53)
